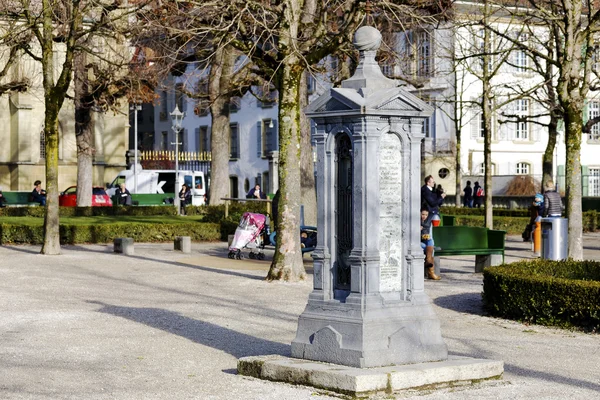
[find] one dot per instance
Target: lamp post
(135, 107)
(176, 120)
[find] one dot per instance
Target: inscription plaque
(390, 216)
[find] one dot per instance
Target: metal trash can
(554, 238)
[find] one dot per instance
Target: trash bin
(554, 238)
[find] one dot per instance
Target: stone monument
(368, 307)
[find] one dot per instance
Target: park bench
(485, 244)
(18, 199)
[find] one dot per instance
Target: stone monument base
(366, 381)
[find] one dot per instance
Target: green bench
(485, 244)
(18, 199)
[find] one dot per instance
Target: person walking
(468, 197)
(552, 201)
(478, 195)
(185, 198)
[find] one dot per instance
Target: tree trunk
(307, 170)
(457, 129)
(573, 127)
(486, 107)
(548, 156)
(51, 244)
(83, 132)
(287, 262)
(221, 71)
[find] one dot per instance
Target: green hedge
(105, 233)
(88, 211)
(559, 293)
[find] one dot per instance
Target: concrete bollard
(183, 244)
(124, 246)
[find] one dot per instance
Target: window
(427, 122)
(180, 97)
(522, 127)
(234, 142)
(442, 173)
(266, 95)
(416, 53)
(594, 112)
(522, 168)
(424, 59)
(521, 59)
(233, 187)
(202, 107)
(311, 84)
(594, 182)
(266, 137)
(165, 140)
(181, 140)
(481, 169)
(164, 112)
(203, 139)
(235, 104)
(265, 182)
(480, 50)
(246, 185)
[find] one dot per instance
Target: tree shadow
(469, 303)
(205, 333)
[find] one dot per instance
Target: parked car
(100, 198)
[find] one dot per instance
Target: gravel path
(90, 324)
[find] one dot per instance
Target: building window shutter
(259, 139)
(257, 180)
(475, 123)
(585, 180)
(560, 177)
(197, 137)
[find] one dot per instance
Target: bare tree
(56, 28)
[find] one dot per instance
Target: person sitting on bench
(427, 244)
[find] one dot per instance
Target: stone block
(483, 261)
(366, 381)
(183, 244)
(123, 246)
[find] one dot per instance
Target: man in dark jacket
(429, 198)
(38, 195)
(468, 198)
(552, 201)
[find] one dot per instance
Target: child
(427, 244)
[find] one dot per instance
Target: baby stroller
(250, 235)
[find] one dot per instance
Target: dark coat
(431, 200)
(468, 193)
(123, 198)
(250, 195)
(552, 203)
(185, 198)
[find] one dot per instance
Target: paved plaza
(91, 324)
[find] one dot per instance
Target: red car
(68, 198)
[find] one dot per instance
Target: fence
(165, 159)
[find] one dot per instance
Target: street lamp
(176, 120)
(135, 107)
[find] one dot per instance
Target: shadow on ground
(205, 333)
(470, 303)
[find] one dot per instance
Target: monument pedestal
(366, 381)
(376, 335)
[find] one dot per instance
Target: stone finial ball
(367, 38)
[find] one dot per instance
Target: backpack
(479, 192)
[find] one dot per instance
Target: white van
(151, 181)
